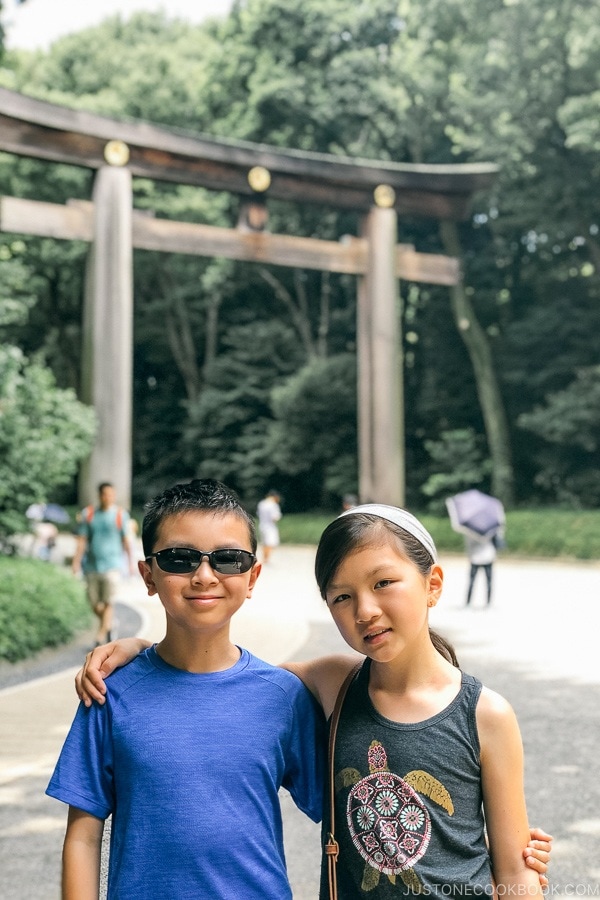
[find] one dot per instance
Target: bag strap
(332, 848)
(89, 515)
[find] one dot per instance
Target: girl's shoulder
(495, 717)
(324, 676)
(492, 705)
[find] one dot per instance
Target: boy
(196, 736)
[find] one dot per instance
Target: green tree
(458, 463)
(226, 433)
(527, 82)
(315, 426)
(44, 434)
(569, 420)
(1, 32)
(433, 81)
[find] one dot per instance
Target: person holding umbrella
(482, 554)
(45, 518)
(480, 518)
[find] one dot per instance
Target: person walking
(481, 519)
(104, 534)
(269, 514)
(44, 540)
(482, 555)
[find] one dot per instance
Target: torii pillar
(107, 357)
(380, 381)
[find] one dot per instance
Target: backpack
(89, 515)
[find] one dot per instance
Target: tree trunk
(181, 340)
(297, 308)
(323, 330)
(211, 332)
(488, 391)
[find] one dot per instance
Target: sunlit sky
(37, 23)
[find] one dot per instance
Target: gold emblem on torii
(116, 153)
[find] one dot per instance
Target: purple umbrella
(51, 512)
(473, 512)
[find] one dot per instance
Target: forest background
(247, 372)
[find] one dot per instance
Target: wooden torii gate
(118, 150)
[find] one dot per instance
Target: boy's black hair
(201, 494)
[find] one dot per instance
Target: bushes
(41, 606)
(554, 533)
(44, 433)
(551, 533)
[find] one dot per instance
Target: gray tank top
(409, 813)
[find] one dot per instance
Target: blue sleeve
(306, 760)
(83, 776)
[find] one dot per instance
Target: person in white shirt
(269, 514)
(482, 554)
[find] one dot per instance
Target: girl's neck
(412, 691)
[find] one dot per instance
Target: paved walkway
(540, 629)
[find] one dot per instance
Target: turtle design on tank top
(388, 821)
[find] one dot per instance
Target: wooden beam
(69, 223)
(430, 268)
(278, 249)
(349, 256)
(41, 130)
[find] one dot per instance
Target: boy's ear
(254, 573)
(145, 570)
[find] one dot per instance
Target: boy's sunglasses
(184, 560)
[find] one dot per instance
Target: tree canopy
(246, 372)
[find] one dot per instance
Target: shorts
(102, 587)
(269, 535)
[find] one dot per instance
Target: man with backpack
(103, 538)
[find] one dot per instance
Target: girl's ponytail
(444, 647)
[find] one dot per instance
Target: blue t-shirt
(105, 532)
(190, 766)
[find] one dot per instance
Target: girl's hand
(537, 853)
(100, 662)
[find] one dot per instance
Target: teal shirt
(104, 550)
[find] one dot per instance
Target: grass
(551, 533)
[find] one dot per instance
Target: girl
(423, 752)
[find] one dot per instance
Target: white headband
(399, 517)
